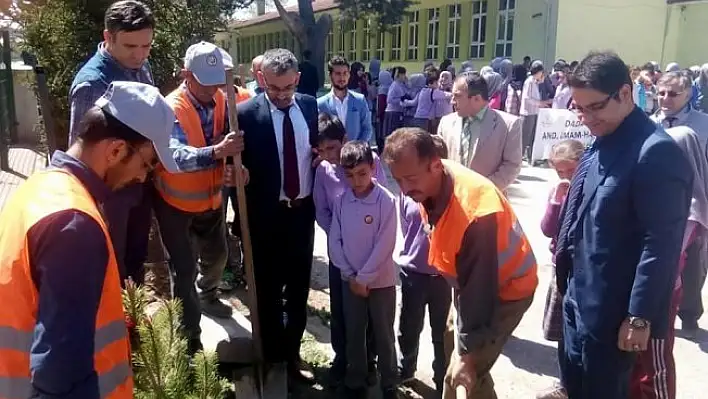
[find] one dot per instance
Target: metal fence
(8, 117)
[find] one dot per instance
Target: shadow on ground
(533, 357)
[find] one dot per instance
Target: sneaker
(215, 308)
(555, 392)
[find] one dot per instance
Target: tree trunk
(317, 40)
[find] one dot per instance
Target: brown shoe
(555, 392)
(299, 371)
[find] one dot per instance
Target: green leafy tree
(311, 32)
(161, 367)
(63, 34)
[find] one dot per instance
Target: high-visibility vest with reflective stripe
(474, 197)
(43, 194)
(198, 191)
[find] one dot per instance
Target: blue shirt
(189, 158)
(68, 255)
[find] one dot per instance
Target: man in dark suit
(621, 233)
(280, 131)
(310, 79)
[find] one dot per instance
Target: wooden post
(245, 233)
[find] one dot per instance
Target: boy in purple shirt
(361, 241)
(421, 285)
(330, 184)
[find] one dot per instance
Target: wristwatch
(638, 323)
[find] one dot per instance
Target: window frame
(432, 49)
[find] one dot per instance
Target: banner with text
(554, 126)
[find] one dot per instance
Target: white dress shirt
(302, 146)
(341, 106)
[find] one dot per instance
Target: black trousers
(282, 259)
(693, 278)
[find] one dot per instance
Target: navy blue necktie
(572, 203)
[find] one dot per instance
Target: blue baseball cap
(142, 108)
(206, 62)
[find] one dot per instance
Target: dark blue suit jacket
(261, 154)
(630, 225)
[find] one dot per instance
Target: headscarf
(673, 67)
(444, 66)
(687, 139)
(495, 83)
(374, 67)
(506, 69)
(485, 70)
(466, 66)
(451, 68)
(385, 81)
(446, 80)
(354, 78)
(496, 64)
(416, 83)
(518, 78)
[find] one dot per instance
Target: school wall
(687, 30)
(635, 29)
(529, 21)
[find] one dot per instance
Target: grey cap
(142, 108)
(206, 61)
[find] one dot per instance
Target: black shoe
(390, 393)
(355, 393)
(337, 371)
(215, 308)
(194, 345)
(689, 329)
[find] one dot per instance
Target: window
(366, 45)
(380, 45)
(453, 31)
(342, 35)
(330, 44)
(396, 42)
(352, 41)
(478, 34)
(505, 28)
(433, 33)
(413, 35)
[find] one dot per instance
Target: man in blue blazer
(621, 233)
(349, 106)
(280, 131)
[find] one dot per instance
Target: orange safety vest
(199, 191)
(474, 197)
(42, 195)
(242, 94)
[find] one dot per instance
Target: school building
(639, 30)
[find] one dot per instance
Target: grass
(322, 313)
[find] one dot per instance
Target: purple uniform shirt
(414, 253)
(394, 101)
(330, 184)
(362, 237)
(425, 102)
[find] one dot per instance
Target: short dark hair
(97, 125)
(337, 60)
(476, 85)
(648, 67)
(407, 137)
(536, 67)
(441, 146)
(527, 58)
(128, 16)
(574, 64)
(431, 75)
(601, 71)
(330, 128)
(399, 69)
(355, 153)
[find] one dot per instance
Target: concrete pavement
(529, 362)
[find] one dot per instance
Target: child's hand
(358, 289)
(561, 191)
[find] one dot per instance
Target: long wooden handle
(460, 392)
(243, 220)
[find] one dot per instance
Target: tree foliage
(63, 34)
(161, 367)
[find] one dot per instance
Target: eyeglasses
(669, 93)
(149, 166)
(593, 108)
(278, 90)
